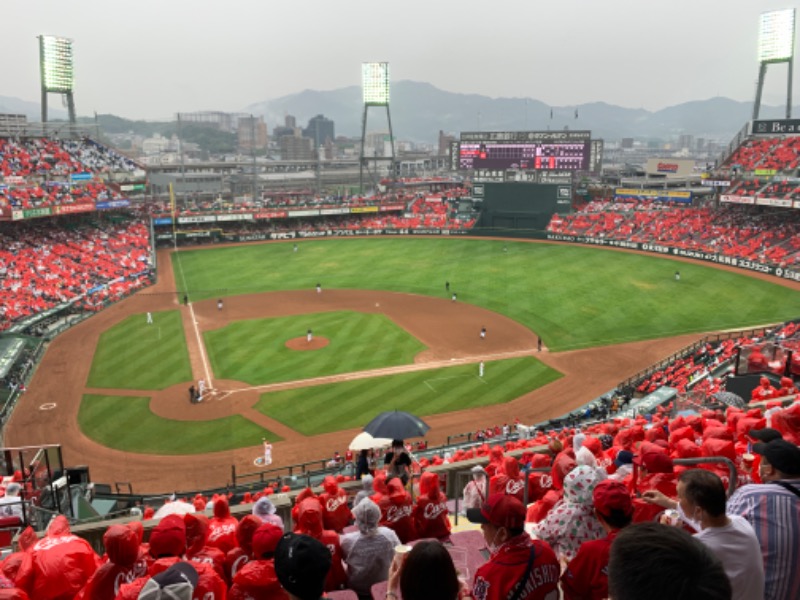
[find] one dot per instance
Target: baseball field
(387, 334)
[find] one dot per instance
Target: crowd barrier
(453, 477)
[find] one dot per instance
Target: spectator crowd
(38, 173)
(44, 264)
(747, 232)
(613, 510)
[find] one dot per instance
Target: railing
(690, 349)
(57, 130)
(734, 144)
(453, 475)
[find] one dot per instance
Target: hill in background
(420, 110)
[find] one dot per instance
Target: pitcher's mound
(301, 343)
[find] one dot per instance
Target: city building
(296, 147)
(252, 134)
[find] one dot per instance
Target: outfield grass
(107, 420)
(351, 404)
(254, 351)
(137, 356)
(573, 297)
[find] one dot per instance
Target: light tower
(55, 67)
(775, 45)
(375, 86)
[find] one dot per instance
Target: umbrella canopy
(176, 507)
(730, 399)
(396, 424)
(364, 441)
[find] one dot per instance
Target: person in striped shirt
(773, 509)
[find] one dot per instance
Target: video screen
(568, 156)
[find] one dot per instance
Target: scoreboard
(524, 150)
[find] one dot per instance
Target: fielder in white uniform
(267, 452)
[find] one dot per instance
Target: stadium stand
(776, 153)
(749, 232)
(664, 444)
(44, 264)
(41, 172)
(94, 260)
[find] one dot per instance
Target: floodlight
(55, 58)
(375, 83)
(776, 36)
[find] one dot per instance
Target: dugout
(520, 205)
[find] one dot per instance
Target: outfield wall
(792, 274)
(712, 257)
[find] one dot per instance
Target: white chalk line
(356, 375)
(200, 344)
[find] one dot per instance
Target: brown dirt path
(450, 330)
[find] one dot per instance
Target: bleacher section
(46, 176)
(747, 232)
(773, 153)
(45, 264)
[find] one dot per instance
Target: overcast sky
(150, 59)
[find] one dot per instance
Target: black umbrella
(730, 399)
(397, 425)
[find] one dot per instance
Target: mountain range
(420, 110)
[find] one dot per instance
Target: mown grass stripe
(135, 355)
(574, 297)
(107, 420)
(315, 410)
(358, 342)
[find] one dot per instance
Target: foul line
(356, 375)
(209, 381)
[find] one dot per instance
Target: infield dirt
(450, 330)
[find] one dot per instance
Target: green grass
(137, 356)
(574, 297)
(255, 352)
(107, 420)
(321, 409)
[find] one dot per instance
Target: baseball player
(295, 248)
(454, 297)
(480, 369)
(483, 333)
(219, 304)
(309, 335)
(149, 318)
(267, 452)
(319, 288)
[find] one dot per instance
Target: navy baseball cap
(781, 454)
(766, 435)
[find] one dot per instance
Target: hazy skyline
(149, 60)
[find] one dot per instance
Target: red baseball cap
(265, 539)
(654, 462)
(610, 495)
(500, 510)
